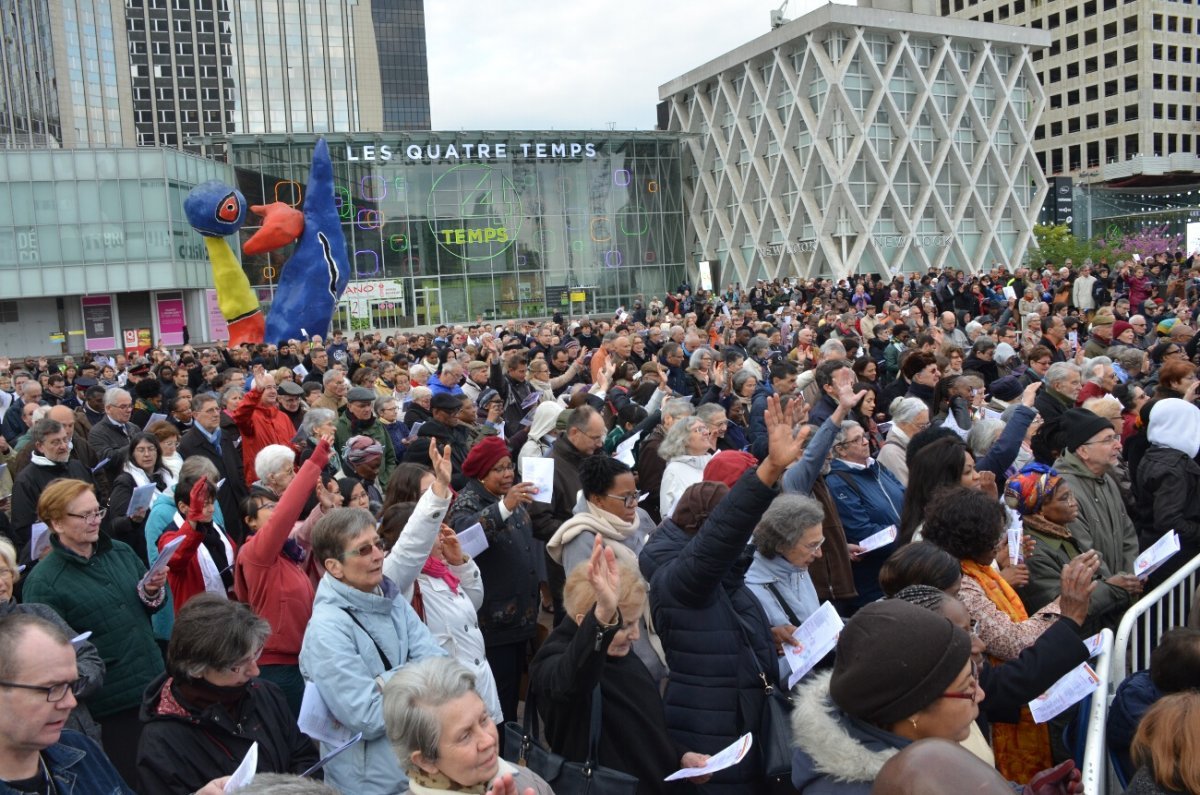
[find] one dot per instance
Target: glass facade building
(29, 113)
(450, 227)
(403, 63)
(102, 223)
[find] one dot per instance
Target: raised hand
(1030, 393)
(605, 579)
(443, 469)
(197, 500)
(1077, 583)
(451, 549)
(520, 494)
(782, 447)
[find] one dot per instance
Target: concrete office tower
(63, 76)
(1121, 78)
(858, 139)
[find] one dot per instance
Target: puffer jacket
(100, 594)
(1167, 484)
(342, 659)
(867, 500)
(87, 661)
(1103, 523)
(183, 748)
(698, 598)
(510, 581)
(835, 753)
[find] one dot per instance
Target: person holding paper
(96, 585)
(787, 539)
(141, 468)
(440, 730)
(508, 617)
(205, 712)
(359, 636)
(1168, 482)
(1047, 507)
(204, 562)
(593, 647)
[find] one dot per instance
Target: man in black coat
(51, 460)
(110, 437)
(206, 439)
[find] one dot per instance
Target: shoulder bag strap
(387, 663)
(791, 616)
(592, 761)
(748, 647)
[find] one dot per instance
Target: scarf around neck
(599, 521)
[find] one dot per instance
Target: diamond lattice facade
(862, 139)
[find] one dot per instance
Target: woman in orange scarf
(971, 527)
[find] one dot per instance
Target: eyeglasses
(91, 518)
(240, 668)
(974, 684)
(366, 549)
(54, 693)
(502, 468)
(1105, 440)
(628, 500)
(814, 546)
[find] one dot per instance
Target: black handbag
(565, 778)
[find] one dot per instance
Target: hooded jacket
(182, 748)
(835, 753)
(341, 657)
(1168, 480)
(1103, 523)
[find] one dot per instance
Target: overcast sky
(540, 65)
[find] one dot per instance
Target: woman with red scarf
(444, 584)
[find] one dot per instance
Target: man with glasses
(1090, 449)
(110, 437)
(51, 460)
(206, 438)
(39, 681)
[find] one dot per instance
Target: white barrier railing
(1095, 751)
(1165, 607)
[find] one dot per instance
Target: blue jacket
(1134, 698)
(698, 596)
(79, 767)
(341, 658)
(867, 500)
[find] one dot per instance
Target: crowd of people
(426, 536)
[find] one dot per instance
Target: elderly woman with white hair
(359, 637)
(275, 466)
(444, 738)
(786, 541)
(419, 406)
(687, 449)
(910, 416)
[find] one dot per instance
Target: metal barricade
(1165, 607)
(1095, 751)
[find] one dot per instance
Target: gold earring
(913, 721)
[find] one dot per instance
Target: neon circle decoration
(474, 211)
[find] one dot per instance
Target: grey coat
(1103, 523)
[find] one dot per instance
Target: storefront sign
(170, 317)
(218, 329)
(478, 151)
(131, 342)
(98, 322)
(375, 290)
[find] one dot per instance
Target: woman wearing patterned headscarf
(1047, 506)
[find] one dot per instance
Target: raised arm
(403, 563)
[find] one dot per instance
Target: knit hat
(1006, 388)
(1079, 425)
(1027, 491)
(485, 455)
(728, 465)
(486, 396)
(1120, 327)
(361, 449)
(894, 659)
(696, 503)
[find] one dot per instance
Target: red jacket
(183, 572)
(260, 426)
(273, 584)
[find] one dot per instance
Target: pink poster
(218, 329)
(170, 318)
(98, 330)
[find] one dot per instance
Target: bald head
(938, 767)
(64, 415)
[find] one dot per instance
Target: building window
(1071, 15)
(1110, 59)
(1156, 22)
(1093, 121)
(1158, 81)
(1110, 30)
(1073, 42)
(1131, 146)
(1130, 24)
(1091, 93)
(1131, 112)
(9, 312)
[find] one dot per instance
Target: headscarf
(1175, 423)
(360, 449)
(1028, 491)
